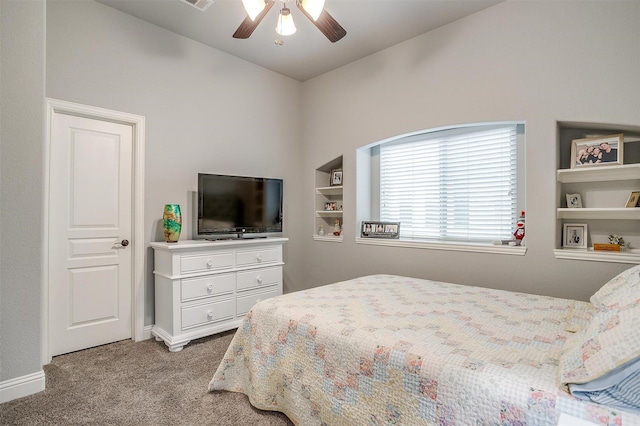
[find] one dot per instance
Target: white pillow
(619, 290)
(611, 340)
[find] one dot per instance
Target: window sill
(469, 247)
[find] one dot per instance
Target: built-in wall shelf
(599, 213)
(630, 256)
(329, 190)
(329, 238)
(329, 213)
(599, 173)
(604, 189)
(328, 201)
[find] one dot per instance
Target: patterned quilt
(382, 350)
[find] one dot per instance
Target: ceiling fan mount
(312, 9)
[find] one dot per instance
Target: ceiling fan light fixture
(285, 26)
(313, 7)
(253, 7)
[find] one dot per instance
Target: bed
(384, 349)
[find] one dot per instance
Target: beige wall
(22, 47)
(537, 61)
(205, 111)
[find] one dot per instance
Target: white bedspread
(394, 350)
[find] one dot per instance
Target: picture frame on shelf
(574, 235)
(331, 206)
(335, 177)
(372, 229)
(633, 199)
(574, 201)
(597, 151)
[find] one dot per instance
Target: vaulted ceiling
(371, 25)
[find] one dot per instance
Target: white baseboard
(21, 386)
(146, 332)
(33, 383)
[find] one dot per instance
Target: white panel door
(90, 217)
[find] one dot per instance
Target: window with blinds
(459, 185)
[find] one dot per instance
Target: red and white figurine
(519, 232)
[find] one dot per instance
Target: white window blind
(458, 186)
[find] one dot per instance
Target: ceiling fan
(313, 9)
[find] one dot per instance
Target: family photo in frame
(599, 150)
(380, 230)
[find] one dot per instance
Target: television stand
(204, 288)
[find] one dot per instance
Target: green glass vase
(172, 222)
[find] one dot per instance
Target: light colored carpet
(127, 383)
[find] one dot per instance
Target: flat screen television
(238, 205)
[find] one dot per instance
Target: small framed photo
(574, 235)
(634, 197)
(380, 230)
(336, 177)
(599, 150)
(331, 206)
(574, 201)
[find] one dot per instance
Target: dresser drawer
(210, 285)
(208, 313)
(201, 262)
(258, 256)
(245, 303)
(259, 278)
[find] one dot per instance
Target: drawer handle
(209, 315)
(210, 288)
(259, 258)
(259, 279)
(209, 264)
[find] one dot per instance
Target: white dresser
(206, 287)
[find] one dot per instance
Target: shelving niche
(604, 191)
(327, 193)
